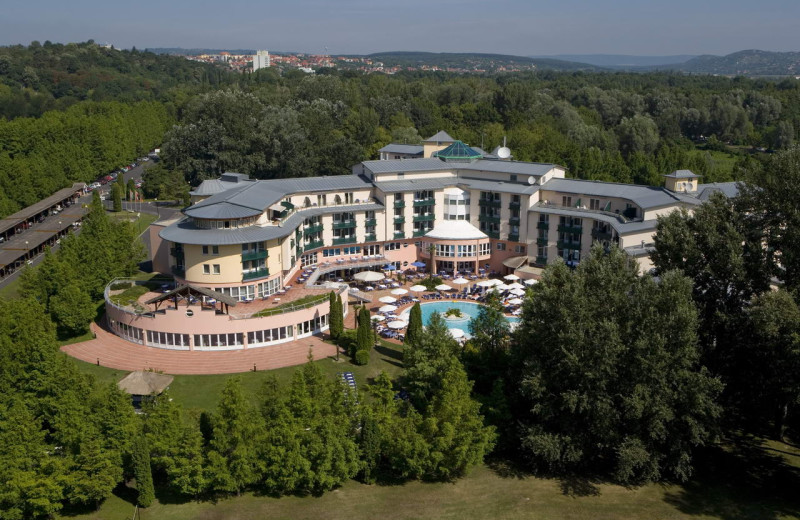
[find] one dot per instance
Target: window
(206, 269)
(501, 246)
(205, 250)
(214, 250)
(215, 268)
(512, 178)
(594, 203)
(566, 201)
(393, 246)
(519, 249)
(485, 249)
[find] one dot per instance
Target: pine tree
(116, 196)
(142, 472)
(335, 319)
(186, 472)
(414, 329)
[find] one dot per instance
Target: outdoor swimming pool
(469, 310)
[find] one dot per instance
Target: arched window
(307, 203)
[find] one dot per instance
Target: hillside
(619, 61)
(745, 63)
(474, 61)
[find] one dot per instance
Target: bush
(348, 340)
(456, 313)
(361, 357)
(121, 285)
(431, 283)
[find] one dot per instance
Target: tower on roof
(458, 152)
(681, 181)
(439, 141)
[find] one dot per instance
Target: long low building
(448, 205)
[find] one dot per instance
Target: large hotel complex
(444, 204)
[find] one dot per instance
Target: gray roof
(729, 189)
(615, 221)
(683, 174)
(185, 232)
(434, 164)
(646, 197)
(257, 196)
(441, 137)
(505, 187)
(413, 149)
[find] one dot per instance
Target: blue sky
(532, 27)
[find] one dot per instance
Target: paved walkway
(112, 351)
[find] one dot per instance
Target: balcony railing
(542, 225)
(565, 244)
(424, 202)
(513, 204)
(310, 230)
(257, 273)
(399, 235)
(370, 237)
(488, 218)
(599, 234)
(176, 252)
(541, 260)
(514, 221)
(344, 224)
(370, 222)
(399, 204)
(424, 218)
(344, 240)
(254, 255)
(486, 203)
(573, 230)
(399, 220)
(312, 245)
(513, 238)
(420, 232)
(493, 234)
(541, 241)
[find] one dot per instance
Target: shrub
(348, 340)
(431, 283)
(361, 357)
(456, 313)
(121, 285)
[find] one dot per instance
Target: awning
(515, 262)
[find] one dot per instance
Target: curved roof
(455, 230)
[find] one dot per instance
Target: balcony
(599, 234)
(486, 203)
(370, 222)
(257, 273)
(370, 237)
(514, 221)
(513, 205)
(513, 238)
(542, 225)
(424, 218)
(399, 220)
(344, 240)
(177, 252)
(488, 218)
(493, 234)
(565, 244)
(420, 232)
(572, 230)
(254, 255)
(541, 260)
(344, 224)
(400, 235)
(312, 245)
(399, 204)
(424, 202)
(178, 271)
(311, 230)
(541, 242)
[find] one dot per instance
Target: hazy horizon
(363, 27)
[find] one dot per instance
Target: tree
(336, 318)
(94, 474)
(615, 387)
(72, 310)
(365, 336)
(186, 470)
(414, 329)
(232, 457)
(427, 360)
(116, 196)
(490, 329)
(142, 472)
(637, 134)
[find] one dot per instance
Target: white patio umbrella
(516, 285)
(387, 299)
(398, 324)
(515, 301)
(400, 291)
(517, 292)
(531, 281)
(456, 333)
(443, 287)
(460, 280)
(511, 277)
(485, 283)
(377, 317)
(387, 308)
(495, 281)
(502, 287)
(417, 288)
(368, 276)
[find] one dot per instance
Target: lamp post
(27, 252)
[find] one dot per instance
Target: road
(154, 208)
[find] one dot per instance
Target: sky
(521, 27)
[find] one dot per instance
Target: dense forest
(629, 391)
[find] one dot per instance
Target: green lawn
(202, 392)
(737, 488)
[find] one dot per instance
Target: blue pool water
(468, 310)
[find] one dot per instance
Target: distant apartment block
(260, 60)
